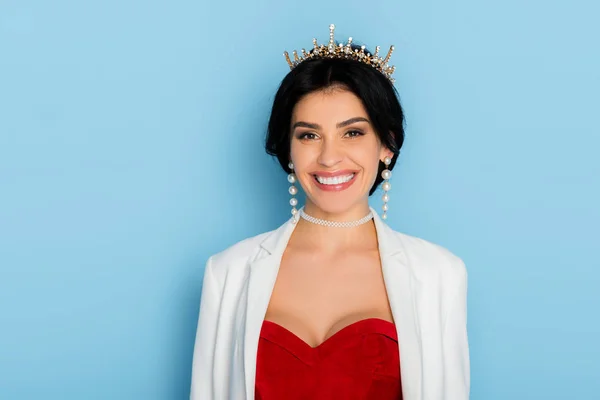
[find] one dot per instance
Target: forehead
(331, 105)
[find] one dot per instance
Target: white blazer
(427, 290)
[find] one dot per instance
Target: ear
(385, 152)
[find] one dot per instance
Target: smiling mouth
(334, 180)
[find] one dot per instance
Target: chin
(335, 206)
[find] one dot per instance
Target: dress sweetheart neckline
(385, 327)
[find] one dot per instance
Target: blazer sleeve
(456, 347)
(202, 385)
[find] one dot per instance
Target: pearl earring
(293, 191)
(386, 174)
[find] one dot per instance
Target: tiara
(331, 50)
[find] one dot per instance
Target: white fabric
(427, 290)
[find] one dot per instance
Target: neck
(332, 239)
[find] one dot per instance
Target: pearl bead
(293, 202)
(386, 174)
(294, 211)
(293, 190)
(291, 165)
(385, 198)
(387, 161)
(386, 186)
(385, 207)
(292, 178)
(384, 216)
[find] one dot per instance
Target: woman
(334, 304)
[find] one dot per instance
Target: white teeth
(336, 180)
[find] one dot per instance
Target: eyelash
(358, 133)
(303, 136)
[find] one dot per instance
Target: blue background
(131, 149)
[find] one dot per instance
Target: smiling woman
(334, 303)
(338, 155)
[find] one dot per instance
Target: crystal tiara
(331, 50)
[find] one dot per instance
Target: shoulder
(237, 255)
(429, 258)
(243, 249)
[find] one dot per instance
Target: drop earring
(293, 191)
(386, 174)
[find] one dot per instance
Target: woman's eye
(353, 134)
(307, 136)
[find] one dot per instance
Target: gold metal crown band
(331, 50)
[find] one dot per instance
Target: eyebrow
(302, 124)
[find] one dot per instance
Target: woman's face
(335, 151)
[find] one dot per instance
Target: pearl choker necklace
(336, 224)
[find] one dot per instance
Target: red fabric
(359, 362)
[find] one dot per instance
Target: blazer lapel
(402, 288)
(263, 274)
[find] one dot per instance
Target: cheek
(295, 157)
(373, 172)
(302, 156)
(371, 166)
(368, 157)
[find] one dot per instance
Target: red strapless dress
(361, 361)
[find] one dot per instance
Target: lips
(334, 182)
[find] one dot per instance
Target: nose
(331, 153)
